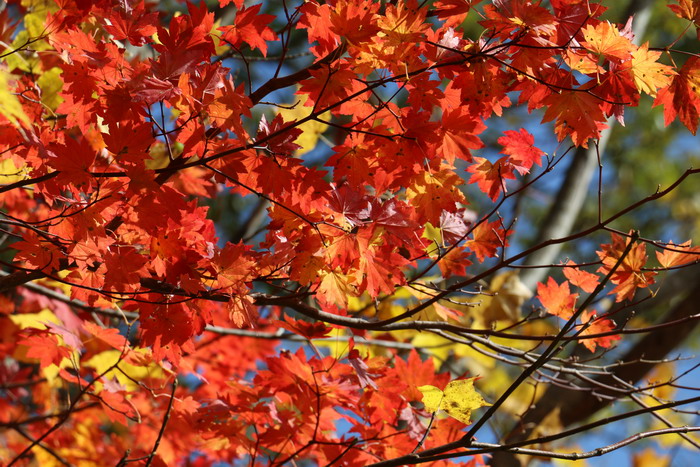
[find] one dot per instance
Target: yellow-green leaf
(458, 399)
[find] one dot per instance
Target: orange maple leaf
(678, 255)
(250, 27)
(629, 275)
(687, 9)
(433, 193)
(557, 299)
(454, 262)
(335, 288)
(597, 326)
(605, 39)
(580, 278)
(460, 130)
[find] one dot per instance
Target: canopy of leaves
(226, 229)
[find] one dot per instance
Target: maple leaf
(454, 226)
(283, 143)
(250, 27)
(629, 275)
(403, 23)
(109, 336)
(597, 326)
(434, 193)
(10, 107)
(687, 9)
(460, 130)
(381, 272)
(491, 177)
(115, 404)
(361, 369)
(316, 19)
(124, 268)
(578, 114)
(45, 347)
(580, 278)
(605, 39)
(649, 75)
(135, 25)
(682, 97)
(414, 371)
(311, 130)
(229, 104)
(355, 21)
(678, 255)
(307, 329)
(508, 16)
(335, 288)
(454, 262)
(557, 299)
(520, 146)
(328, 86)
(74, 160)
(507, 296)
(453, 12)
(238, 3)
(488, 238)
(38, 253)
(458, 399)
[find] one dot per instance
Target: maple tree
(269, 237)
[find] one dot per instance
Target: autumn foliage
(135, 330)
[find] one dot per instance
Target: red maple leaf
(487, 239)
(310, 330)
(135, 25)
(44, 346)
(250, 27)
(682, 97)
(491, 177)
(281, 144)
(578, 114)
(520, 146)
(459, 135)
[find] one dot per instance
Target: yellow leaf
(649, 75)
(434, 234)
(105, 360)
(311, 130)
(10, 173)
(458, 399)
(51, 85)
(35, 320)
(10, 106)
